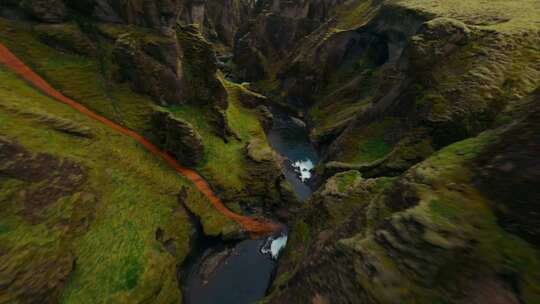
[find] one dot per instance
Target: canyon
(269, 151)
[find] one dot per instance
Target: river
(241, 273)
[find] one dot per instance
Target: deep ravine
(241, 272)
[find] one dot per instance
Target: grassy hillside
(88, 216)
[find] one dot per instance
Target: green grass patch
(134, 270)
(445, 210)
(4, 228)
(373, 149)
(346, 179)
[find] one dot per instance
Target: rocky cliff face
(178, 137)
(275, 29)
(437, 233)
(381, 76)
(218, 20)
(412, 103)
(426, 113)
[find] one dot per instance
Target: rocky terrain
(416, 107)
(426, 115)
(63, 208)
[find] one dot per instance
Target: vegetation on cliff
(407, 91)
(426, 113)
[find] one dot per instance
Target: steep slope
(452, 229)
(253, 226)
(70, 186)
(417, 107)
(218, 20)
(275, 28)
(386, 83)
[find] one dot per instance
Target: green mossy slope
(114, 232)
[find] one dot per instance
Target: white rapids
(303, 168)
(274, 245)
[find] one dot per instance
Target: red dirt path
(255, 226)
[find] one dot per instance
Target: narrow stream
(241, 273)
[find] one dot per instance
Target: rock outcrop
(275, 30)
(50, 11)
(264, 174)
(178, 68)
(178, 137)
(200, 69)
(218, 20)
(158, 74)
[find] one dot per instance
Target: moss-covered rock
(178, 137)
(66, 37)
(508, 173)
(214, 223)
(200, 68)
(35, 271)
(146, 74)
(334, 212)
(52, 11)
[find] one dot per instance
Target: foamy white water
(304, 167)
(274, 246)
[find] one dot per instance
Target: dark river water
(241, 273)
(290, 139)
